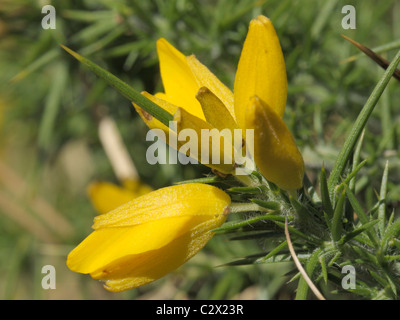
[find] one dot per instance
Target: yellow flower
(197, 98)
(150, 236)
(106, 196)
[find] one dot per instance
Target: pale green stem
(359, 125)
(247, 180)
(244, 207)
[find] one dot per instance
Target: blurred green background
(50, 107)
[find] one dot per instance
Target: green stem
(382, 198)
(359, 125)
(244, 207)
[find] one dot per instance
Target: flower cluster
(150, 236)
(199, 100)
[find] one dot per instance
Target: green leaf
(43, 60)
(382, 199)
(390, 221)
(295, 231)
(359, 125)
(328, 221)
(124, 89)
(356, 206)
(383, 282)
(324, 271)
(283, 256)
(104, 41)
(337, 220)
(94, 31)
(356, 159)
(257, 235)
(360, 214)
(301, 210)
(251, 190)
(273, 252)
(302, 288)
(334, 258)
(357, 231)
(326, 201)
(392, 285)
(350, 177)
(365, 255)
(240, 262)
(212, 179)
(52, 106)
(391, 232)
(393, 258)
(87, 15)
(234, 226)
(271, 205)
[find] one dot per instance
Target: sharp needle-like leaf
(359, 125)
(337, 221)
(375, 57)
(326, 202)
(123, 88)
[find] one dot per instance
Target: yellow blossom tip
(106, 196)
(275, 151)
(263, 19)
(215, 111)
(261, 70)
(202, 90)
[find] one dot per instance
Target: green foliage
(347, 213)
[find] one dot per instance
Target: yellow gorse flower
(106, 196)
(200, 101)
(145, 238)
(150, 236)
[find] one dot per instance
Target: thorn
(375, 57)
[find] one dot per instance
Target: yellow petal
(152, 122)
(137, 187)
(150, 236)
(180, 200)
(179, 82)
(261, 70)
(219, 117)
(107, 196)
(215, 110)
(275, 151)
(211, 148)
(205, 78)
(103, 246)
(135, 271)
